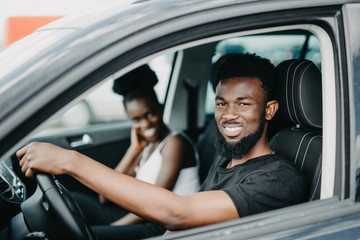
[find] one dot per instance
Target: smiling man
(248, 177)
(247, 169)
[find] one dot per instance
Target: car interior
(296, 132)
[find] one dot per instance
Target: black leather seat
(298, 91)
(206, 149)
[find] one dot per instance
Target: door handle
(84, 140)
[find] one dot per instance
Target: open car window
(101, 105)
(276, 47)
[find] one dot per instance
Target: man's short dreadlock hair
(245, 65)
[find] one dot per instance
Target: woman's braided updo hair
(137, 84)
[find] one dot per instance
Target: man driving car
(248, 177)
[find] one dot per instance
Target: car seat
(298, 90)
(206, 149)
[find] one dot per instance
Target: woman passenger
(157, 155)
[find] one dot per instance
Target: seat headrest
(298, 90)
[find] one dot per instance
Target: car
(46, 73)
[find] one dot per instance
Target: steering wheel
(52, 210)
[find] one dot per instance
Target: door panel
(106, 143)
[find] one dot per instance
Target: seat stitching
(301, 100)
(293, 89)
(286, 92)
(316, 185)
(307, 148)
(298, 150)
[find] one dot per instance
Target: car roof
(88, 33)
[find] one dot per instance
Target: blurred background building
(20, 17)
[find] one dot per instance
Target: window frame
(172, 43)
(330, 143)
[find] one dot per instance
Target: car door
(194, 32)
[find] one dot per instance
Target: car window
(276, 47)
(102, 105)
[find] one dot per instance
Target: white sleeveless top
(149, 168)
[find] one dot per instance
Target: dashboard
(12, 189)
(15, 188)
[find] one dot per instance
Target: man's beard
(239, 149)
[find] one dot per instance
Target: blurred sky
(10, 8)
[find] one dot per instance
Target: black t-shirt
(260, 184)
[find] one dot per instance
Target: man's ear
(271, 108)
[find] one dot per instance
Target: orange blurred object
(20, 26)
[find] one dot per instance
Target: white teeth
(233, 129)
(149, 132)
